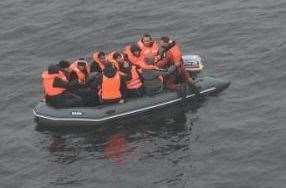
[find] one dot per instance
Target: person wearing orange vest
(134, 55)
(79, 71)
(56, 88)
(79, 75)
(131, 82)
(110, 90)
(153, 76)
(110, 58)
(99, 61)
(148, 45)
(110, 81)
(170, 54)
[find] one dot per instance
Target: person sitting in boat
(153, 76)
(99, 61)
(80, 73)
(110, 58)
(110, 90)
(131, 83)
(56, 88)
(134, 85)
(148, 45)
(170, 53)
(64, 66)
(96, 67)
(134, 55)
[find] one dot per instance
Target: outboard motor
(193, 64)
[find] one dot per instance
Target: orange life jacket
(48, 81)
(110, 59)
(132, 58)
(174, 54)
(80, 75)
(135, 81)
(110, 87)
(147, 50)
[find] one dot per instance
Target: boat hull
(78, 116)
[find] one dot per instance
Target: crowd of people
(143, 68)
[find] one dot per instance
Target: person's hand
(126, 64)
(191, 81)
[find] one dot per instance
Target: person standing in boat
(56, 88)
(170, 54)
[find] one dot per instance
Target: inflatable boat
(47, 115)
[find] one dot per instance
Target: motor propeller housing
(193, 63)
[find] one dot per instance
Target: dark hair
(135, 48)
(116, 55)
(147, 35)
(109, 70)
(82, 63)
(64, 64)
(100, 54)
(165, 39)
(149, 60)
(52, 69)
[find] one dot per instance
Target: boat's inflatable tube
(47, 115)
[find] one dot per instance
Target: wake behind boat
(78, 116)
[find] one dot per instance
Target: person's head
(109, 70)
(102, 57)
(135, 50)
(118, 57)
(147, 40)
(164, 41)
(64, 65)
(53, 69)
(82, 64)
(149, 59)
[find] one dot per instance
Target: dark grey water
(235, 139)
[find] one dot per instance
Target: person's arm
(171, 69)
(73, 76)
(123, 88)
(176, 54)
(73, 79)
(127, 75)
(65, 84)
(58, 82)
(94, 67)
(165, 72)
(93, 76)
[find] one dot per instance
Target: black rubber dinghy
(78, 116)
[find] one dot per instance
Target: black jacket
(152, 83)
(94, 67)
